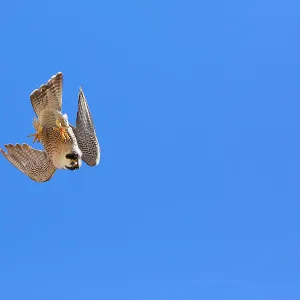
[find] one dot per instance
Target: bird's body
(54, 145)
(65, 145)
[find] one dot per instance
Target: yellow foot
(37, 135)
(62, 130)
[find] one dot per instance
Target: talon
(62, 130)
(37, 135)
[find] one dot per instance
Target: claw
(37, 135)
(62, 130)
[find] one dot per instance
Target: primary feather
(85, 133)
(34, 163)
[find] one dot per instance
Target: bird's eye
(72, 156)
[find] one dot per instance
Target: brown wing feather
(85, 133)
(34, 163)
(49, 95)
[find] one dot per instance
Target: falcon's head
(73, 161)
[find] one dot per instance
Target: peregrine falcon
(65, 146)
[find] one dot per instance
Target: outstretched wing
(34, 163)
(49, 95)
(85, 133)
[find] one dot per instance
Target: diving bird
(65, 146)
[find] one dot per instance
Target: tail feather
(49, 95)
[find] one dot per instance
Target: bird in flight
(65, 146)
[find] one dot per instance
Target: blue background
(196, 106)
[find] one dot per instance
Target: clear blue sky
(197, 195)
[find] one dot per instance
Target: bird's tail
(49, 95)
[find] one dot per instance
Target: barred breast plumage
(55, 146)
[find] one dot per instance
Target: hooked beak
(73, 168)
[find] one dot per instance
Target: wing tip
(57, 76)
(94, 162)
(43, 87)
(80, 93)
